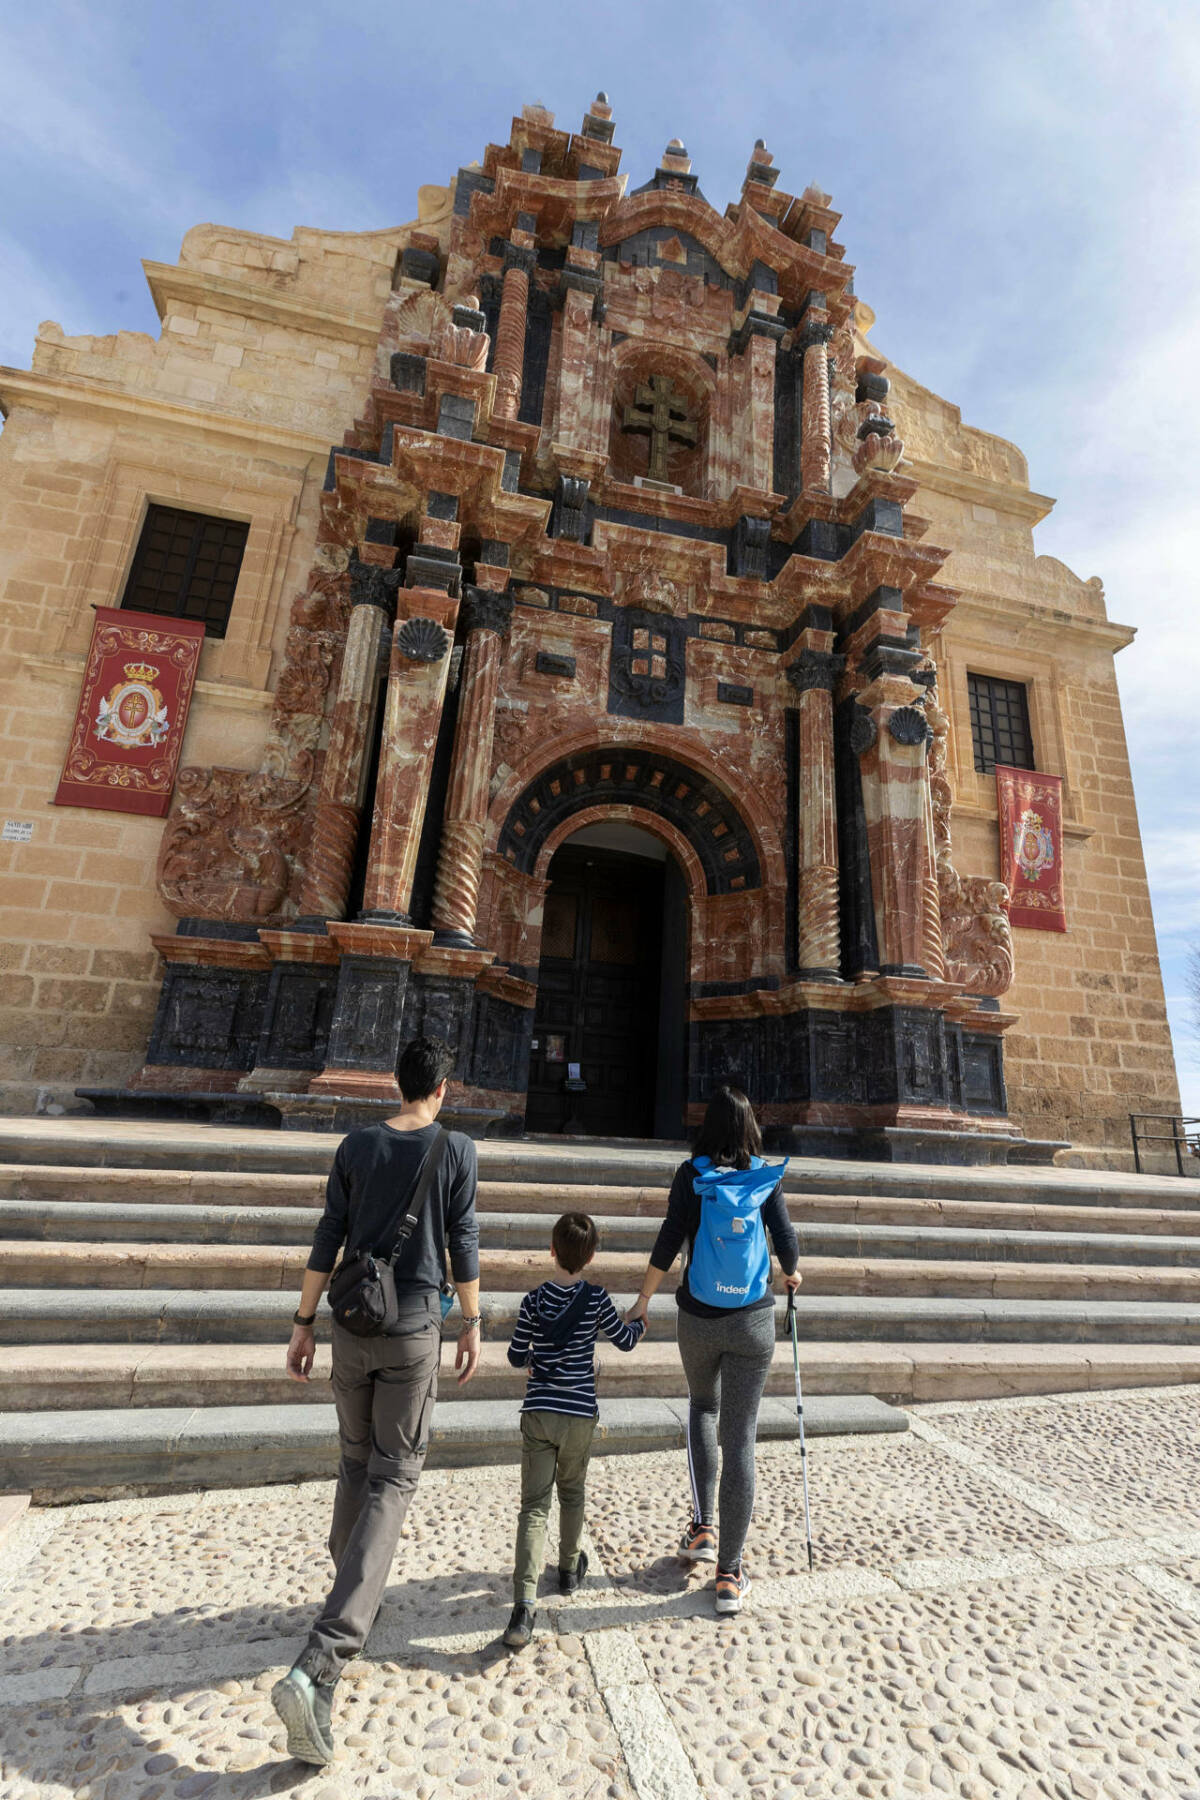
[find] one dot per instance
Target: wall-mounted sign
(16, 831)
(573, 1072)
(556, 1047)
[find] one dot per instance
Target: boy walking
(555, 1338)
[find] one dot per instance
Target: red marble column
(460, 859)
(335, 829)
(420, 665)
(818, 921)
(890, 734)
(509, 362)
(815, 448)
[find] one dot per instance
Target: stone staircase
(148, 1274)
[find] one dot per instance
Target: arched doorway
(610, 1025)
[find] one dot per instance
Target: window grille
(186, 567)
(999, 723)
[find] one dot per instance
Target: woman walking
(721, 1200)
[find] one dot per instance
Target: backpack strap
(410, 1218)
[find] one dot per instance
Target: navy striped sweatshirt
(560, 1352)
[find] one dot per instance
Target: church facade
(607, 653)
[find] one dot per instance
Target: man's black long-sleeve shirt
(683, 1222)
(373, 1177)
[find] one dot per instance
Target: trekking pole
(791, 1315)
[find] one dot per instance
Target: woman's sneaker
(698, 1543)
(732, 1586)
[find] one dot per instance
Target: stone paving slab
(982, 1623)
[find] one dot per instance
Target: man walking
(384, 1386)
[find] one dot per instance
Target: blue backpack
(730, 1263)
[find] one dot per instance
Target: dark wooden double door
(598, 996)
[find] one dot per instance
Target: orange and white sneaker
(732, 1587)
(698, 1543)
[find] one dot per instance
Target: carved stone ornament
(422, 640)
(907, 725)
(304, 681)
(372, 586)
(815, 669)
(863, 731)
(422, 320)
(976, 933)
(463, 340)
(878, 446)
(483, 609)
(229, 850)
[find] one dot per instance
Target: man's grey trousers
(384, 1389)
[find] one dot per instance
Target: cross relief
(659, 411)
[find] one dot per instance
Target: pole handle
(791, 1305)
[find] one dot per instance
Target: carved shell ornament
(422, 319)
(422, 640)
(907, 725)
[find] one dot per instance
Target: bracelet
(646, 1297)
(305, 1319)
(469, 1324)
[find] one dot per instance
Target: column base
(356, 1084)
(381, 916)
(454, 940)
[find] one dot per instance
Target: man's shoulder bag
(362, 1293)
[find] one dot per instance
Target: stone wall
(1092, 1042)
(264, 354)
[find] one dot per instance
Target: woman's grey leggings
(726, 1362)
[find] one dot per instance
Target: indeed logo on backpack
(730, 1264)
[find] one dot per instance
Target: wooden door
(598, 989)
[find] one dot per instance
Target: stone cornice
(1105, 632)
(193, 287)
(67, 665)
(980, 490)
(50, 391)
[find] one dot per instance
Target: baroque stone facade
(570, 506)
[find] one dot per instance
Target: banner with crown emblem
(1031, 847)
(133, 706)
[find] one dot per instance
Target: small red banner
(133, 706)
(1031, 847)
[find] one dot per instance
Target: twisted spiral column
(816, 451)
(818, 906)
(460, 856)
(509, 362)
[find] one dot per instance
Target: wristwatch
(305, 1319)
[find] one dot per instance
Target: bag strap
(435, 1156)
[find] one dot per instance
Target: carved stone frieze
(231, 849)
(304, 681)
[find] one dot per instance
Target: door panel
(598, 988)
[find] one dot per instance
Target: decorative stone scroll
(232, 849)
(976, 934)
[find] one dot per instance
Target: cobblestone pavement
(1006, 1603)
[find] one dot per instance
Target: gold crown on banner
(140, 671)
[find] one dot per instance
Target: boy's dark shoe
(570, 1579)
(306, 1707)
(519, 1629)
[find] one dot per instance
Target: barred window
(186, 567)
(1000, 724)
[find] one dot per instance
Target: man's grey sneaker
(519, 1629)
(570, 1579)
(732, 1586)
(698, 1543)
(305, 1706)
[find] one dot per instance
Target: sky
(1020, 185)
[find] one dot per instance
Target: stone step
(71, 1455)
(301, 1196)
(111, 1222)
(116, 1143)
(74, 1266)
(143, 1315)
(40, 1377)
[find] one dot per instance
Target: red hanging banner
(133, 707)
(1031, 847)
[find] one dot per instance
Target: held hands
(466, 1357)
(639, 1310)
(301, 1351)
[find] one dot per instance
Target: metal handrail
(1179, 1135)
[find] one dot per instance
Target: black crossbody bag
(362, 1293)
